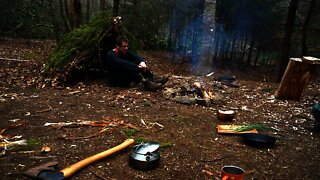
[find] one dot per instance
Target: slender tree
(102, 6)
(56, 25)
(286, 45)
(63, 13)
(75, 13)
(89, 9)
(197, 32)
(115, 9)
(305, 28)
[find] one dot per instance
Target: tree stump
(299, 72)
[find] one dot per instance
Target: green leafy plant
(251, 127)
(166, 145)
(268, 89)
(146, 103)
(141, 140)
(180, 118)
(34, 142)
(129, 132)
(34, 55)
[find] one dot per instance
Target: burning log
(205, 95)
(201, 91)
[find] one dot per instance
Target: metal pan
(259, 140)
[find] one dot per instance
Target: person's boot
(159, 79)
(152, 86)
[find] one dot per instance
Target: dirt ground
(191, 147)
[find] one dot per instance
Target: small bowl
(227, 115)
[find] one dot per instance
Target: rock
(182, 99)
(169, 93)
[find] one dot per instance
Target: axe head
(45, 171)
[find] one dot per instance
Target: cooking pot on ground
(145, 156)
(226, 115)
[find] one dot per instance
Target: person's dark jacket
(123, 68)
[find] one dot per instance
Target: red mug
(232, 173)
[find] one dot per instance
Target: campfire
(202, 92)
(195, 93)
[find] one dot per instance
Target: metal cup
(232, 173)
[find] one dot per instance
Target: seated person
(124, 68)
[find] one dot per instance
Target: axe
(49, 171)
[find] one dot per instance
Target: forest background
(217, 33)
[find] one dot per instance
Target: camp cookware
(227, 115)
(145, 156)
(232, 173)
(258, 140)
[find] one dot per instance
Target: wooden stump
(299, 72)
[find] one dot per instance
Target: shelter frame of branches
(84, 49)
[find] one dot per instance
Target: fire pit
(192, 94)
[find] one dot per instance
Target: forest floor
(190, 145)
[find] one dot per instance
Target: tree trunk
(257, 57)
(218, 30)
(115, 9)
(63, 10)
(88, 13)
(197, 33)
(233, 47)
(28, 23)
(78, 12)
(242, 49)
(216, 45)
(250, 51)
(170, 34)
(229, 47)
(75, 13)
(70, 13)
(54, 21)
(171, 28)
(305, 28)
(298, 74)
(102, 5)
(285, 52)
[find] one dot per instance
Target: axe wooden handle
(68, 171)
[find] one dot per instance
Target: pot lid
(145, 148)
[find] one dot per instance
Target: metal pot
(145, 156)
(227, 115)
(259, 140)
